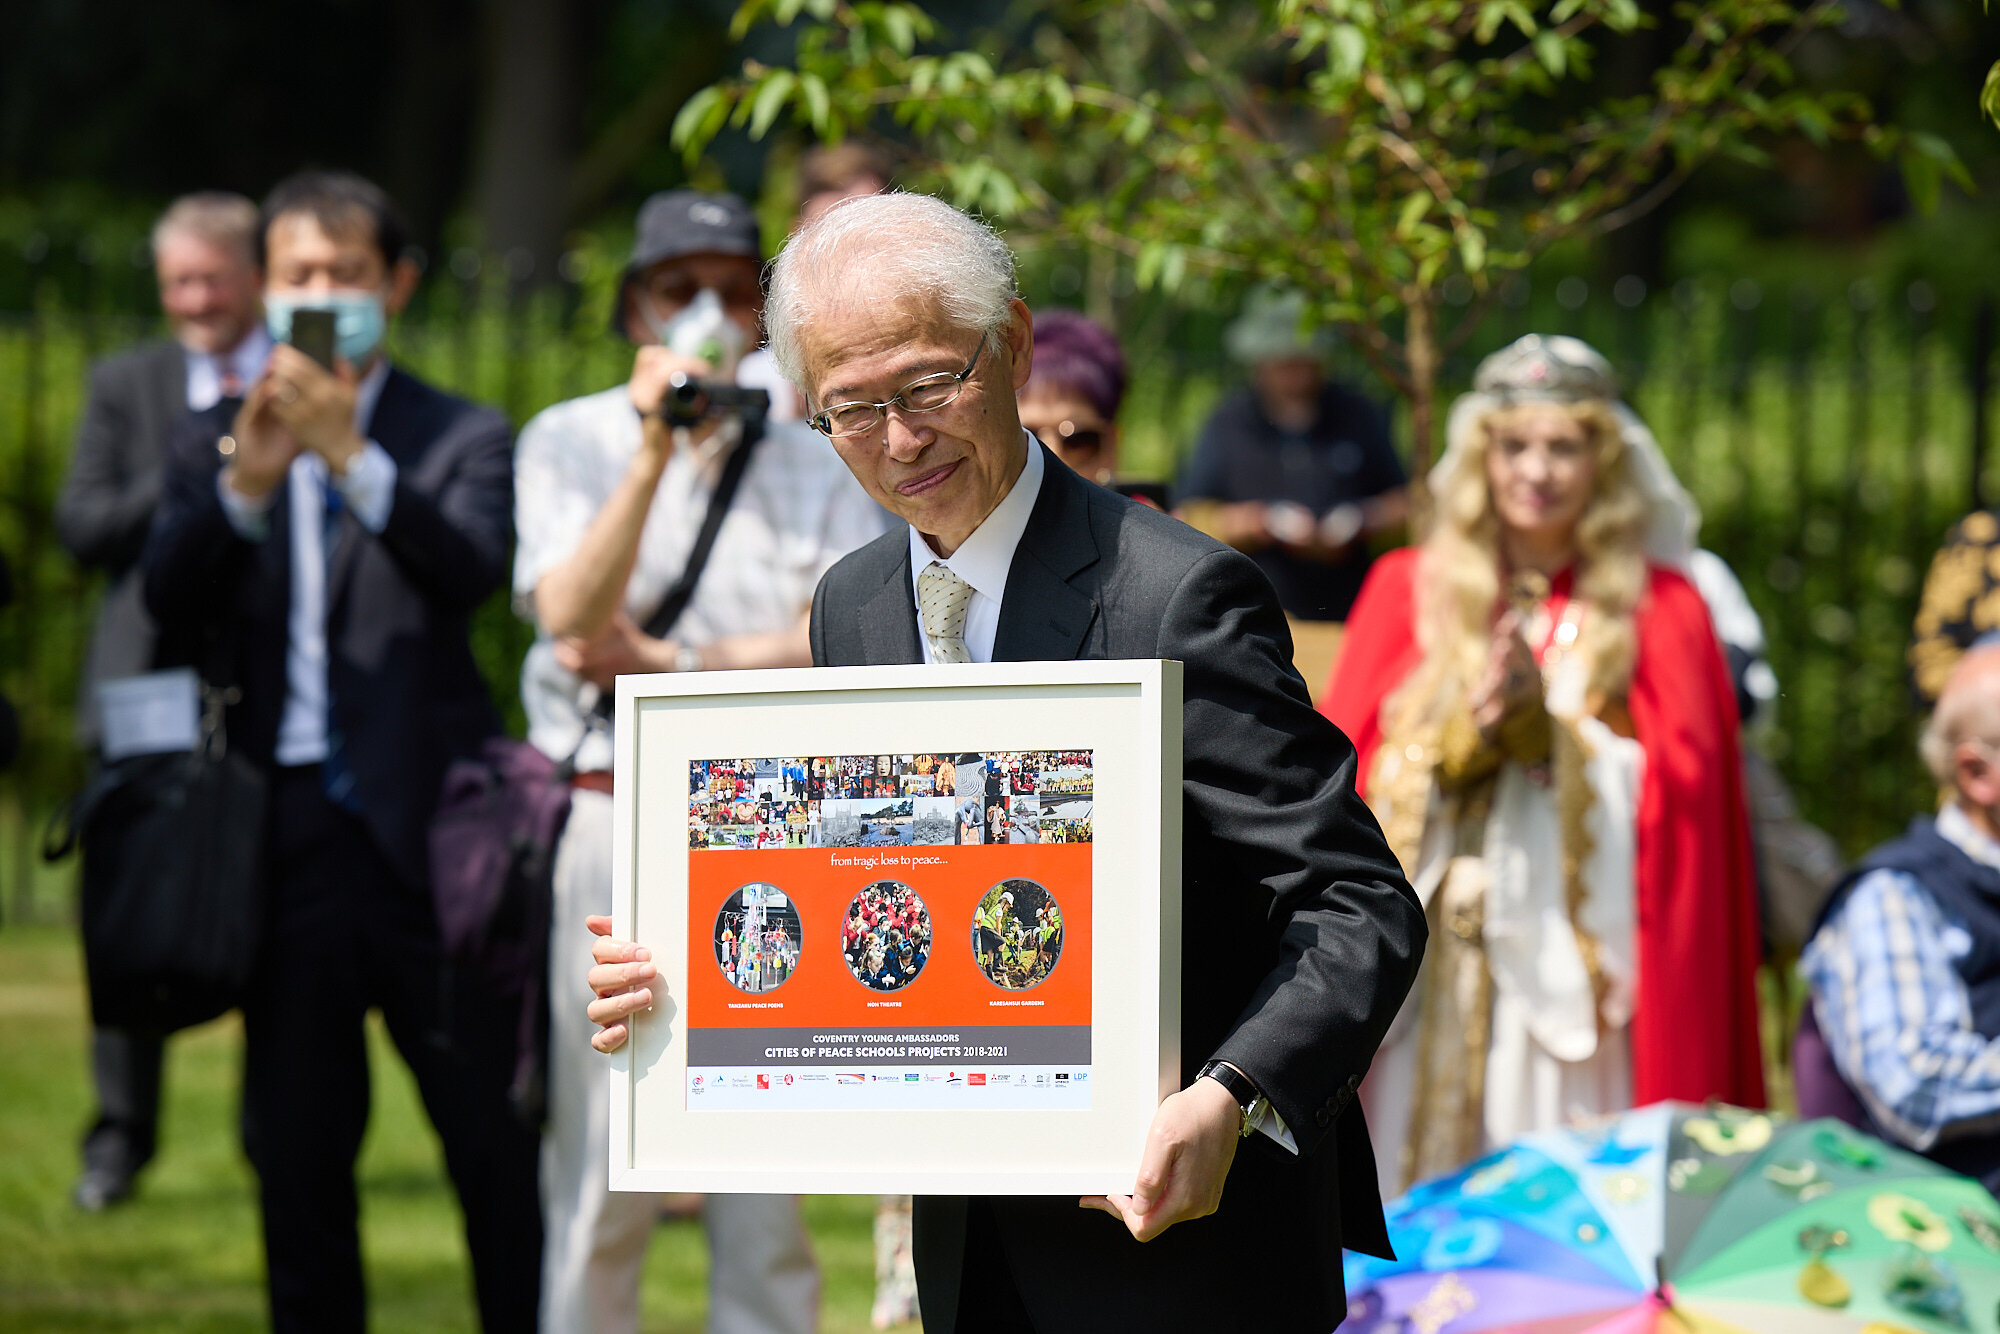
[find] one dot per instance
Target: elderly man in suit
(205, 256)
(897, 316)
(326, 539)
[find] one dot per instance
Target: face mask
(700, 329)
(359, 321)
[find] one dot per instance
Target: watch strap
(1250, 1099)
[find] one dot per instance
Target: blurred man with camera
(332, 532)
(614, 492)
(205, 257)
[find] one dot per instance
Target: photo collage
(886, 934)
(860, 801)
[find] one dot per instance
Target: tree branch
(1434, 181)
(1225, 85)
(1613, 219)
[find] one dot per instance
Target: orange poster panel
(942, 888)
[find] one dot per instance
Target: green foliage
(1927, 160)
(1828, 451)
(1365, 153)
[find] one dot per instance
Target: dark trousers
(989, 1301)
(125, 1066)
(345, 935)
(1268, 1260)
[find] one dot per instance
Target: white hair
(1968, 710)
(887, 247)
(222, 219)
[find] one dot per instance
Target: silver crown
(1548, 367)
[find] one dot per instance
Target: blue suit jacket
(406, 695)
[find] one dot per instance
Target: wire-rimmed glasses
(927, 394)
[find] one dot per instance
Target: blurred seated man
(1296, 471)
(1905, 966)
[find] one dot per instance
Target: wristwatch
(1249, 1099)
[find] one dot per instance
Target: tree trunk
(702, 47)
(1421, 348)
(427, 133)
(525, 143)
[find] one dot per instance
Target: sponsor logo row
(1050, 1079)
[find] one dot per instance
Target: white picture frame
(923, 1135)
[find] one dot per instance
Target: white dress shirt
(982, 560)
(206, 370)
(369, 490)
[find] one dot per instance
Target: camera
(689, 400)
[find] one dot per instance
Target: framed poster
(918, 928)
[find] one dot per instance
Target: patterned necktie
(943, 598)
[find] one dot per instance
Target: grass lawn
(185, 1255)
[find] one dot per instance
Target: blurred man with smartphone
(205, 257)
(335, 531)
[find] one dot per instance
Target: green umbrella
(1848, 1223)
(1684, 1218)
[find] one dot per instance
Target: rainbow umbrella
(1695, 1220)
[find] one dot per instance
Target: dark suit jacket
(1301, 934)
(406, 694)
(107, 502)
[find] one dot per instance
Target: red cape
(1694, 1028)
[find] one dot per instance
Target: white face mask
(700, 329)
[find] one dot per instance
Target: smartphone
(312, 334)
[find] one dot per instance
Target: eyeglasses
(1087, 439)
(924, 395)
